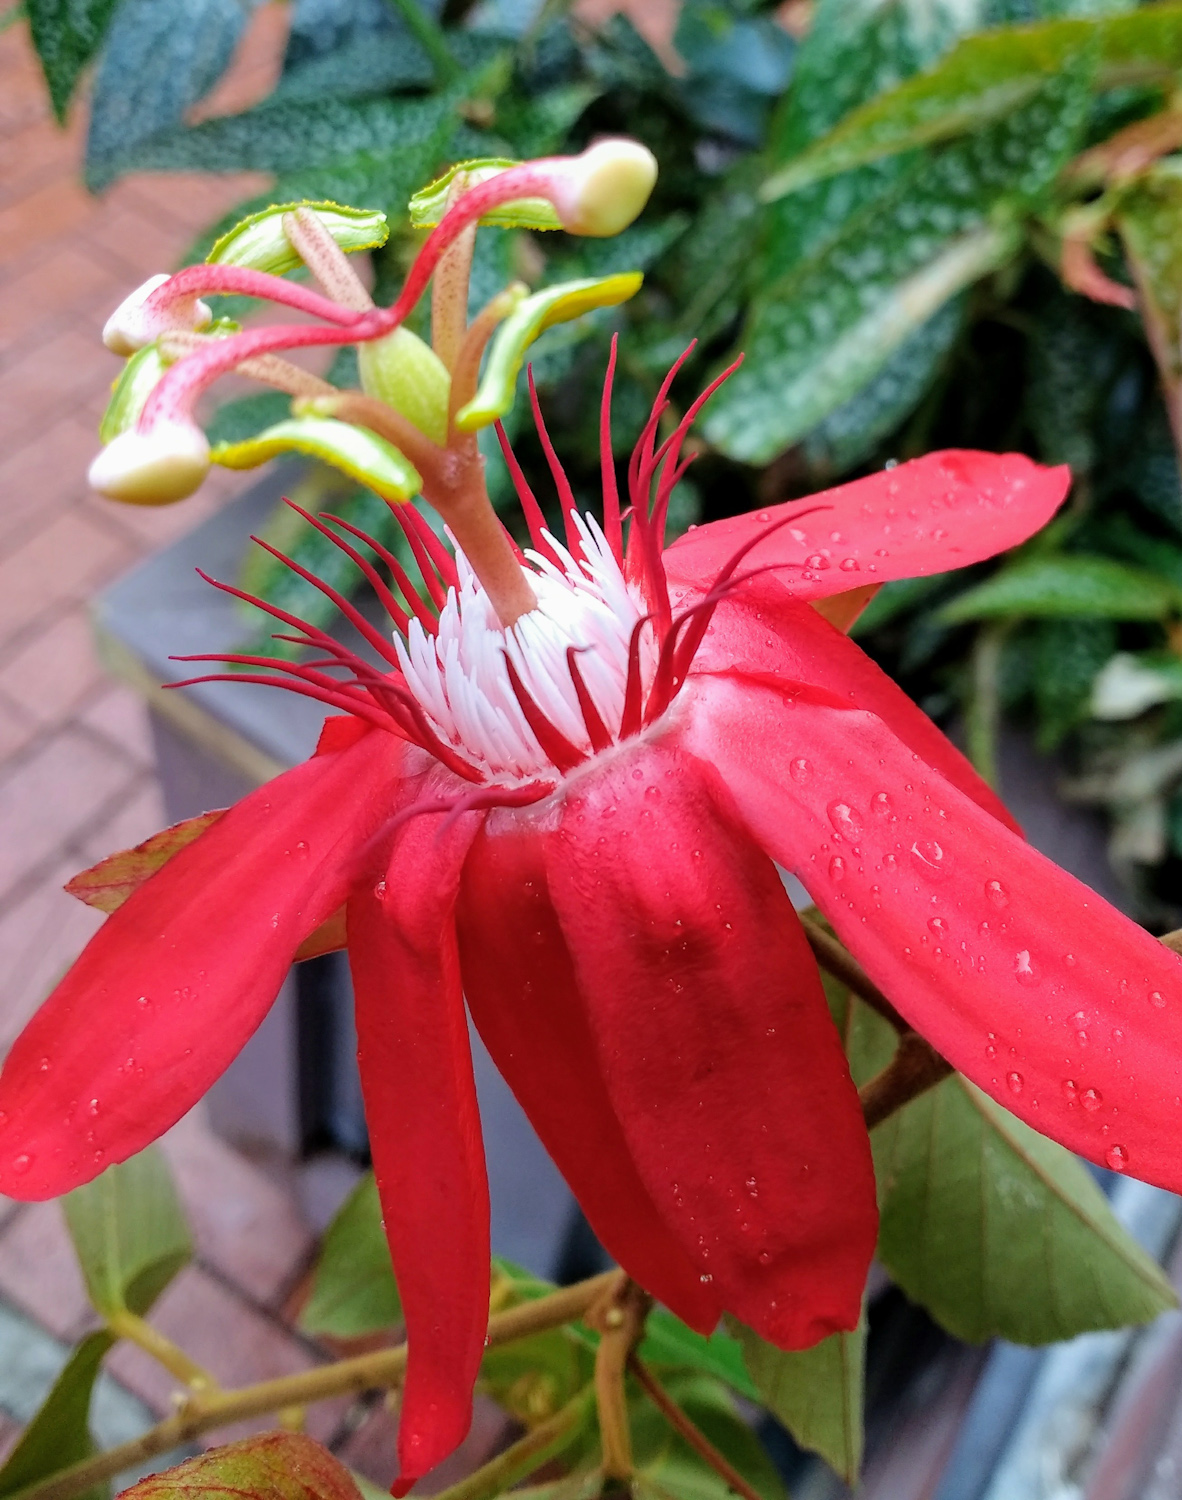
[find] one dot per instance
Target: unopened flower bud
(408, 375)
(156, 467)
(131, 326)
(603, 189)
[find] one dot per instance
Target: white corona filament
(460, 679)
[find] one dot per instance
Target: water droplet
(301, 849)
(22, 1163)
(881, 805)
(1015, 1082)
(938, 926)
(996, 894)
(817, 561)
(1070, 1090)
(705, 1278)
(1069, 960)
(143, 1001)
(652, 794)
(889, 862)
(800, 769)
(765, 1257)
(752, 1187)
(845, 819)
(929, 857)
(1091, 1099)
(379, 890)
(1157, 999)
(849, 565)
(1024, 970)
(837, 868)
(43, 1065)
(93, 1107)
(1117, 1158)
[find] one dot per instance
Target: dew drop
(837, 868)
(929, 857)
(1015, 1082)
(705, 1278)
(652, 794)
(301, 849)
(1024, 970)
(1157, 999)
(93, 1107)
(818, 561)
(765, 1257)
(379, 890)
(1117, 1158)
(752, 1187)
(889, 862)
(881, 805)
(143, 1001)
(1070, 1090)
(43, 1065)
(938, 926)
(1091, 1099)
(800, 769)
(22, 1163)
(996, 894)
(844, 818)
(849, 565)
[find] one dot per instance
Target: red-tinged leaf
(272, 1466)
(108, 884)
(327, 938)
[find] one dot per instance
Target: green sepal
(403, 370)
(362, 455)
(429, 204)
(259, 242)
(557, 304)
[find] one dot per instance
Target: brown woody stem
(915, 1068)
(832, 957)
(619, 1317)
(686, 1429)
(364, 1372)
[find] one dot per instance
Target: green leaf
(429, 204)
(1150, 223)
(59, 1434)
(667, 1341)
(161, 57)
(668, 1469)
(983, 80)
(354, 1291)
(66, 34)
(817, 1393)
(998, 1231)
(269, 1466)
(557, 304)
(129, 1232)
(259, 241)
(355, 451)
(535, 1377)
(135, 384)
(1066, 586)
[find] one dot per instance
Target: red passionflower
(572, 825)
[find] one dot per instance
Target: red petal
(716, 1044)
(762, 629)
(1052, 1002)
(938, 512)
(424, 1128)
(522, 994)
(172, 985)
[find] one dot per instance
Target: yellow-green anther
(360, 454)
(260, 243)
(557, 304)
(131, 390)
(429, 205)
(408, 375)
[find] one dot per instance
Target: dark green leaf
(534, 1377)
(668, 1469)
(129, 1232)
(66, 34)
(667, 1341)
(271, 1466)
(817, 1393)
(59, 1435)
(354, 1291)
(161, 56)
(1064, 587)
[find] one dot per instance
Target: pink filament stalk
(197, 281)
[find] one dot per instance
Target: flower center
(461, 676)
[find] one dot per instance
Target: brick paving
(76, 773)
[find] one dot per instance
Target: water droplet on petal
(652, 794)
(881, 805)
(1069, 960)
(817, 561)
(765, 1258)
(996, 894)
(1015, 1082)
(22, 1163)
(705, 1278)
(379, 890)
(837, 868)
(929, 857)
(93, 1107)
(849, 565)
(43, 1065)
(1157, 999)
(938, 926)
(1117, 1158)
(1024, 970)
(1091, 1099)
(844, 818)
(800, 769)
(1070, 1090)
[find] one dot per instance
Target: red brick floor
(76, 774)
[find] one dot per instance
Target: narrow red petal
(173, 984)
(525, 1003)
(763, 630)
(1051, 1001)
(420, 1105)
(716, 1044)
(938, 512)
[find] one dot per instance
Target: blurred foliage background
(929, 223)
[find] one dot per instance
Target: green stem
(984, 713)
(544, 1442)
(431, 37)
(126, 1325)
(347, 1377)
